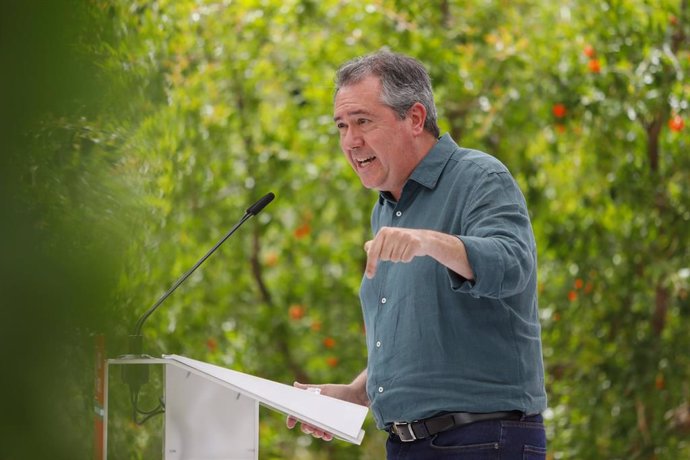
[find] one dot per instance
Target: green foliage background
(138, 132)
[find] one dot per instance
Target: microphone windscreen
(260, 204)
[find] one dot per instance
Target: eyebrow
(353, 113)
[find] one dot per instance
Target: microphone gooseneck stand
(137, 376)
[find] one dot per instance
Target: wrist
(358, 393)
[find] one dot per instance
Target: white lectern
(212, 413)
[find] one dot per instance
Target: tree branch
(660, 309)
(653, 132)
(279, 333)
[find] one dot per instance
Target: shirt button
(383, 300)
(398, 213)
(378, 344)
(380, 389)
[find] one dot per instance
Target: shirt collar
(429, 169)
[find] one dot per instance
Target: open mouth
(365, 161)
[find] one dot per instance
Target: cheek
(347, 157)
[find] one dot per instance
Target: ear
(417, 116)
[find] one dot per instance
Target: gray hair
(404, 81)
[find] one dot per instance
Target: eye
(362, 121)
(340, 125)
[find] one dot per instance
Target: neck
(421, 147)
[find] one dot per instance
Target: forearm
(359, 389)
(448, 250)
(404, 244)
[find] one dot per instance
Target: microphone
(138, 375)
(260, 204)
(253, 210)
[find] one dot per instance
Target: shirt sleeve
(498, 238)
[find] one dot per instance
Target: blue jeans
(523, 439)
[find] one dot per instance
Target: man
(449, 294)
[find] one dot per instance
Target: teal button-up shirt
(436, 341)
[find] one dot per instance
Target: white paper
(341, 418)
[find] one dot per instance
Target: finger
(324, 435)
(370, 269)
(367, 245)
(306, 429)
(397, 251)
(291, 422)
(415, 246)
(316, 389)
(407, 254)
(388, 250)
(373, 255)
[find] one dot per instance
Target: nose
(351, 139)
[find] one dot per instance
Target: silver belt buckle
(405, 434)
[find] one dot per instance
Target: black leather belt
(421, 429)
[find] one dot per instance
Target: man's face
(374, 140)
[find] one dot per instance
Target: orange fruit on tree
(296, 312)
(676, 123)
(559, 110)
(594, 66)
